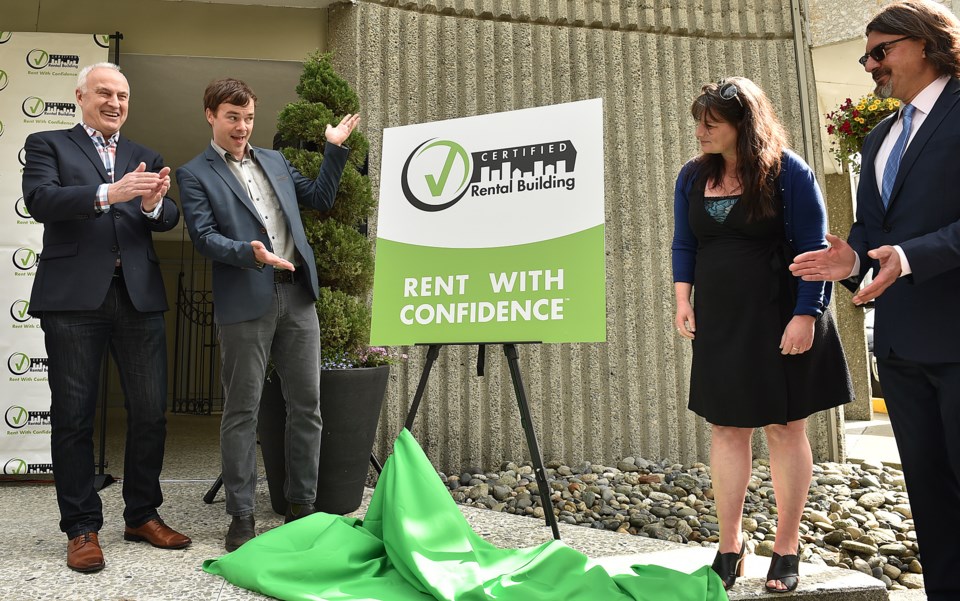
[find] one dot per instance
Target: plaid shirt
(107, 149)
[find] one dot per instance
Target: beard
(884, 90)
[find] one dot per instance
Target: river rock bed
(857, 516)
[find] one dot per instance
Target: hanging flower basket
(850, 123)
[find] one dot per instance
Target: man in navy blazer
(100, 197)
(241, 208)
(907, 231)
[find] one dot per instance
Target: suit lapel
(941, 108)
(81, 139)
(124, 152)
(217, 164)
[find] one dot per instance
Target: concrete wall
(835, 21)
(417, 61)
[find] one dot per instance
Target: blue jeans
(289, 333)
(75, 341)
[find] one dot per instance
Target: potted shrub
(353, 377)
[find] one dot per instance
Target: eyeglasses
(729, 91)
(879, 52)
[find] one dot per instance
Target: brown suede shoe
(84, 554)
(157, 534)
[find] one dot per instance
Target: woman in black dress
(765, 348)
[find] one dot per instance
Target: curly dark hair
(761, 140)
(928, 21)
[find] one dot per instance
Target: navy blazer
(917, 316)
(222, 221)
(80, 245)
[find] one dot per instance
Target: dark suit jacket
(917, 316)
(80, 245)
(222, 221)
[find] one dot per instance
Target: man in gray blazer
(240, 204)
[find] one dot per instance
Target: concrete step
(817, 582)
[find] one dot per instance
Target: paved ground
(34, 549)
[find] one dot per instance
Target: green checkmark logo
(18, 310)
(24, 258)
(33, 106)
(38, 58)
(15, 466)
(454, 151)
(16, 417)
(18, 364)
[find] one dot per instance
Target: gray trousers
(290, 334)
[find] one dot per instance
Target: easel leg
(510, 350)
(432, 353)
(102, 479)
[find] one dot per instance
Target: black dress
(743, 299)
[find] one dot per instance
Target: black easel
(102, 479)
(510, 350)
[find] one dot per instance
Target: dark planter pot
(350, 401)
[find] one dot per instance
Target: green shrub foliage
(344, 255)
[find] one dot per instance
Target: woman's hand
(798, 336)
(685, 321)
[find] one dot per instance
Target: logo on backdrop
(22, 157)
(439, 173)
(19, 466)
(5, 36)
(15, 466)
(4, 79)
(39, 59)
(21, 363)
(1, 128)
(25, 259)
(17, 417)
(102, 40)
(35, 107)
(18, 310)
(21, 208)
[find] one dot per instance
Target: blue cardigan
(805, 225)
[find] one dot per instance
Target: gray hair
(82, 76)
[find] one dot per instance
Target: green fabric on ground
(414, 544)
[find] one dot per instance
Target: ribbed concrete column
(423, 61)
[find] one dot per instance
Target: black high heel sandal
(786, 569)
(730, 565)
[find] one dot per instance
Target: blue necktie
(893, 161)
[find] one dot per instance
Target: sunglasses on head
(729, 91)
(879, 52)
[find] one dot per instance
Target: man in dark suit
(907, 231)
(241, 208)
(99, 197)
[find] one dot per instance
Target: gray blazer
(222, 221)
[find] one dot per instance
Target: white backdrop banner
(38, 75)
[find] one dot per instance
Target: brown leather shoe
(157, 534)
(84, 554)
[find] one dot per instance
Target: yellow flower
(861, 106)
(860, 120)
